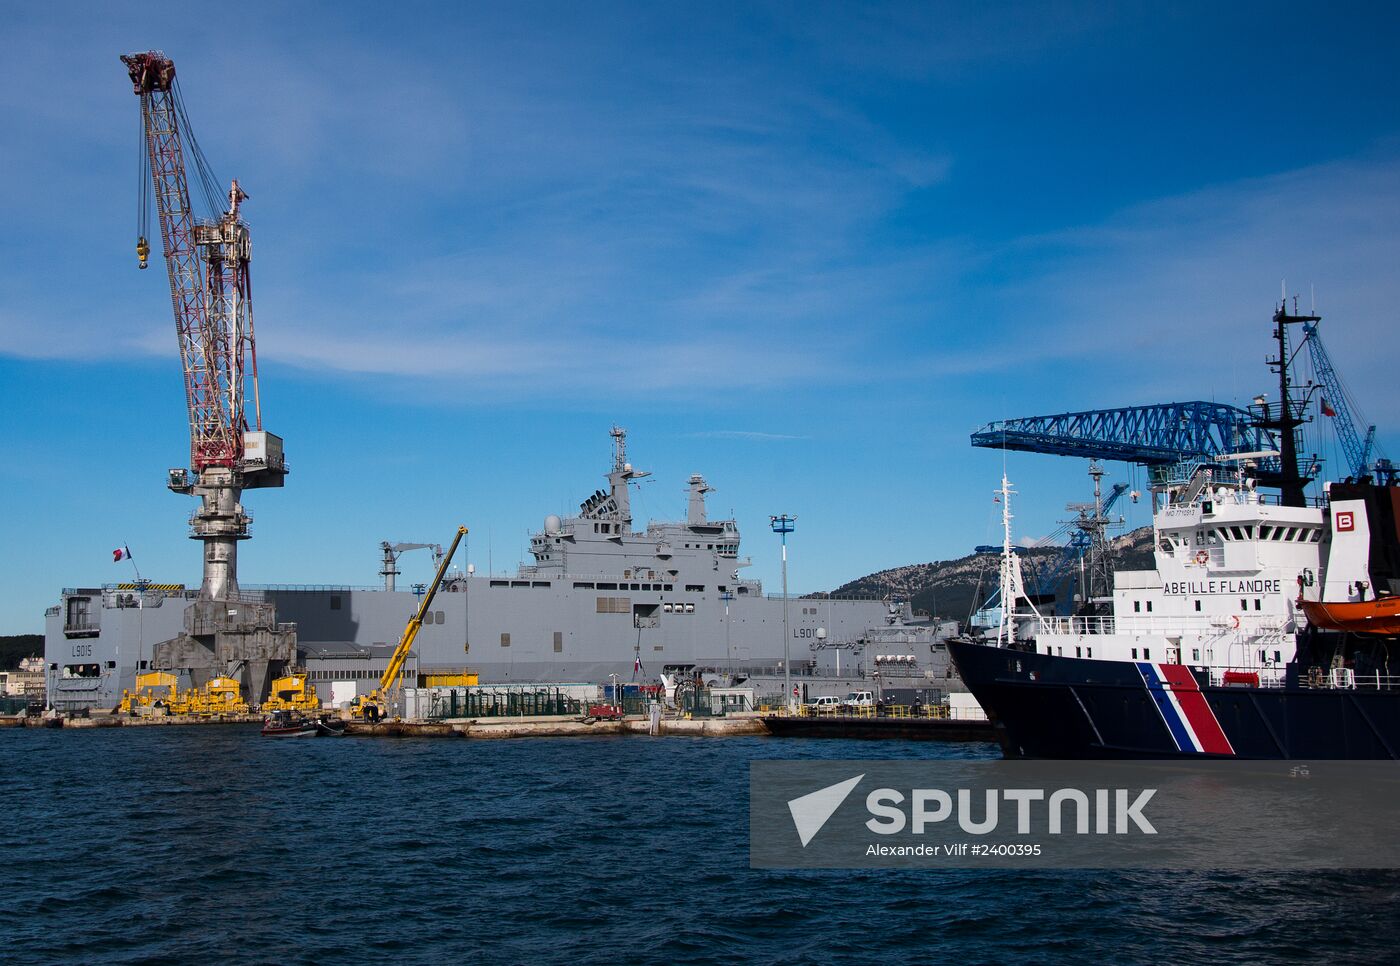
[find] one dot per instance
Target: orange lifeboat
(1380, 616)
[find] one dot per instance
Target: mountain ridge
(954, 589)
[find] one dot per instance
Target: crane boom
(210, 289)
(379, 699)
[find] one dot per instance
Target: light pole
(783, 525)
(728, 651)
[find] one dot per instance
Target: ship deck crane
(390, 569)
(378, 703)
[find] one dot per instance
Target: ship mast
(1286, 421)
(1013, 588)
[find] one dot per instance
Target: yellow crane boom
(379, 698)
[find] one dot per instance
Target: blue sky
(804, 249)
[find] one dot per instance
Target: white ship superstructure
(1230, 567)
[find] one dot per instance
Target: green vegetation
(15, 647)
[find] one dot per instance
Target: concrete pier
(553, 727)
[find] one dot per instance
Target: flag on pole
(120, 554)
(1327, 409)
(637, 665)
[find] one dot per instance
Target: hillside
(16, 647)
(955, 588)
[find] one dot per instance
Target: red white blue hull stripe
(1185, 710)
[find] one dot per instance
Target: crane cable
(209, 185)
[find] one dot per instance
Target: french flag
(120, 554)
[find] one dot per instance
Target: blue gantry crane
(1157, 435)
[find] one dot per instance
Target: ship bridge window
(1264, 532)
(1198, 606)
(1137, 607)
(1212, 537)
(1258, 604)
(695, 588)
(1237, 533)
(1166, 545)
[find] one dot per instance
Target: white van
(860, 699)
(827, 703)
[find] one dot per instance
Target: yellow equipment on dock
(158, 693)
(376, 705)
(218, 696)
(155, 692)
(292, 692)
(449, 679)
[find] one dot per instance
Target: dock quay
(540, 726)
(774, 723)
(556, 727)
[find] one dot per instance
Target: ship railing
(309, 588)
(819, 597)
(1144, 624)
(1347, 679)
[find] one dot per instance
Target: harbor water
(211, 844)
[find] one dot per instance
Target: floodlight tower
(783, 525)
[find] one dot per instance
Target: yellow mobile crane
(376, 705)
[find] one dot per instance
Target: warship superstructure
(600, 598)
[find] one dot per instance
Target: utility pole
(783, 525)
(728, 650)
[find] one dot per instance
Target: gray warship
(600, 599)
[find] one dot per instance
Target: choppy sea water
(212, 844)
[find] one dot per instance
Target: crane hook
(142, 250)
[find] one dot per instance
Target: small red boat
(1380, 616)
